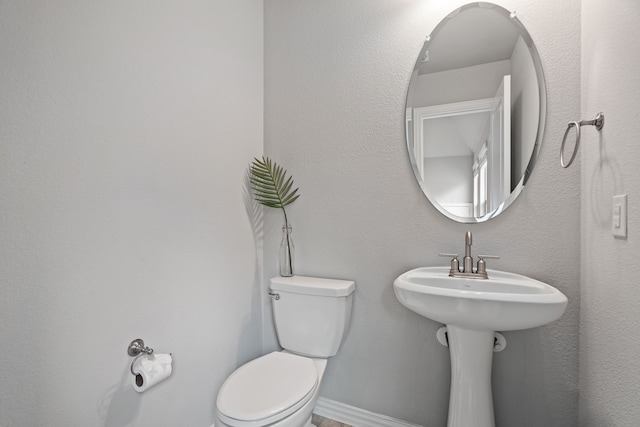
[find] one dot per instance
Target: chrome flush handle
(274, 295)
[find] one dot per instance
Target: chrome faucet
(467, 270)
(467, 261)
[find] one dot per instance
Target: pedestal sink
(473, 309)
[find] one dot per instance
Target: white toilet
(280, 389)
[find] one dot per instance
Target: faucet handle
(482, 265)
(455, 264)
(448, 255)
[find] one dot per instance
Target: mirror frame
(511, 16)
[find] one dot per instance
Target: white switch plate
(619, 216)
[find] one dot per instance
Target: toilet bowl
(280, 389)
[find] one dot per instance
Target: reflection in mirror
(475, 112)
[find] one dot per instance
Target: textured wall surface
(125, 131)
(610, 296)
(336, 75)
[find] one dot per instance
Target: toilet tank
(312, 314)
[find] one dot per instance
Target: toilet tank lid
(313, 286)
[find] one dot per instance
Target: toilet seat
(267, 389)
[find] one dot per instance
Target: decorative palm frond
(272, 188)
(271, 185)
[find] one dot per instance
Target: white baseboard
(355, 416)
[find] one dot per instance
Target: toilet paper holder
(137, 349)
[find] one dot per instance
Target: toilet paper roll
(149, 370)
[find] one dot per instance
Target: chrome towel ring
(598, 122)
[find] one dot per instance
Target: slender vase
(286, 251)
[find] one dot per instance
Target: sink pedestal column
(470, 399)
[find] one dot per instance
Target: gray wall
(336, 75)
(610, 295)
(125, 131)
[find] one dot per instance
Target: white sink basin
(504, 302)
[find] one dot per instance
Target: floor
(319, 421)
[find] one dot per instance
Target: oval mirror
(475, 112)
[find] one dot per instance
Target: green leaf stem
(271, 186)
